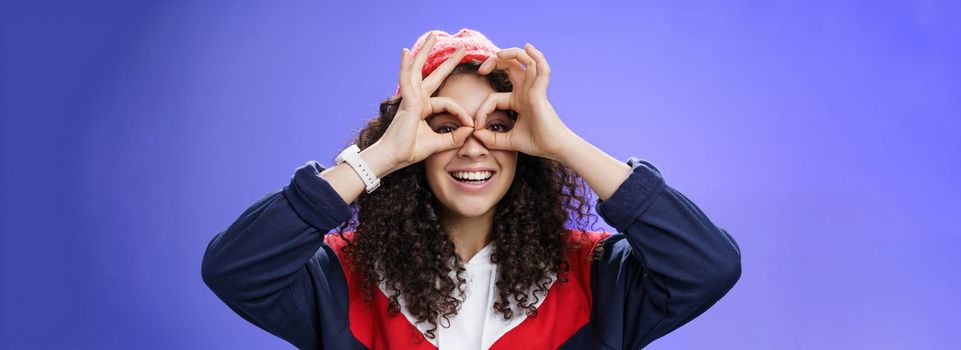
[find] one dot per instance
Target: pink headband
(477, 45)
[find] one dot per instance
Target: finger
(494, 140)
(446, 104)
(416, 73)
(454, 139)
(486, 66)
(516, 53)
(405, 83)
(515, 72)
(543, 68)
(494, 101)
(530, 70)
(440, 73)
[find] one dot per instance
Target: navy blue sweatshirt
(666, 264)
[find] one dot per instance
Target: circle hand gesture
(538, 130)
(408, 138)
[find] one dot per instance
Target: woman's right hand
(408, 138)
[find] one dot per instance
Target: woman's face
(470, 180)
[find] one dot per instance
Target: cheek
(434, 166)
(507, 161)
(434, 161)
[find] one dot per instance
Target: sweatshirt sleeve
(667, 264)
(272, 267)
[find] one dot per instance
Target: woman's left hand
(538, 130)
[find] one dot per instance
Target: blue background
(824, 135)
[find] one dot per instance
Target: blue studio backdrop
(825, 136)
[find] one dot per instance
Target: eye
(444, 129)
(500, 121)
(498, 127)
(443, 123)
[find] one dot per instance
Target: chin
(470, 210)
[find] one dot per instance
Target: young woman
(451, 226)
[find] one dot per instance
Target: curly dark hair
(400, 240)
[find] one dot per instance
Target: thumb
(455, 138)
(492, 140)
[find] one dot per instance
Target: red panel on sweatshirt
(565, 309)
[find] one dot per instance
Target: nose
(472, 148)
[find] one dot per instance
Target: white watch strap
(351, 155)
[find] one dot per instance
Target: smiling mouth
(472, 177)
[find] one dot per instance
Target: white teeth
(472, 175)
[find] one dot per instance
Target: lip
(472, 187)
(473, 169)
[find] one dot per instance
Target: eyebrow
(508, 114)
(438, 114)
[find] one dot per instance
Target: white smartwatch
(351, 155)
